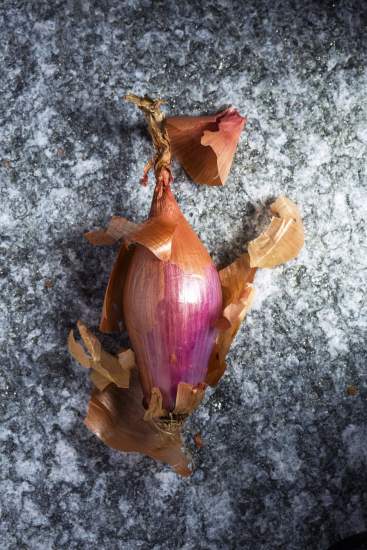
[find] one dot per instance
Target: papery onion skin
(170, 307)
(205, 145)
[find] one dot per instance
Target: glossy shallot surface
(171, 307)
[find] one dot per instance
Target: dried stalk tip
(205, 145)
(282, 240)
(155, 117)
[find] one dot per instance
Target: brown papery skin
(116, 416)
(205, 145)
(170, 307)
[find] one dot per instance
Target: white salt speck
(317, 150)
(168, 482)
(66, 466)
(87, 166)
(265, 287)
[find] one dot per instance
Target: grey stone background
(284, 460)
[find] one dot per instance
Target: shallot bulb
(171, 307)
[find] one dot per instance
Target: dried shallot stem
(155, 117)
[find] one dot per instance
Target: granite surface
(284, 462)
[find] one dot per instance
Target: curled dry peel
(181, 314)
(205, 145)
(282, 240)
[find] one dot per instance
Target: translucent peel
(280, 242)
(116, 413)
(224, 141)
(118, 228)
(116, 416)
(155, 234)
(106, 368)
(238, 292)
(283, 238)
(205, 145)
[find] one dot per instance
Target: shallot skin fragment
(205, 145)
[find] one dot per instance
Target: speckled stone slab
(284, 460)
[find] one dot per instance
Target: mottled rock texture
(284, 460)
